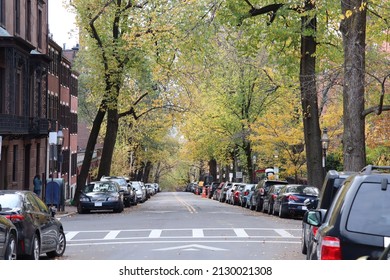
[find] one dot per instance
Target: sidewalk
(68, 210)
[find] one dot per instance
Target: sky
(62, 24)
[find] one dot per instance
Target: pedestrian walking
(37, 185)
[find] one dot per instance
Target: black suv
(261, 190)
(357, 222)
(332, 183)
(129, 196)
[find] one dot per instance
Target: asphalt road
(180, 225)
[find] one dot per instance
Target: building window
(2, 12)
(40, 22)
(19, 94)
(17, 16)
(38, 159)
(15, 164)
(2, 90)
(28, 20)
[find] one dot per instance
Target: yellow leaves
(363, 6)
(349, 13)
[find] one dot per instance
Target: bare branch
(377, 110)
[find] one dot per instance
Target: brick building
(38, 95)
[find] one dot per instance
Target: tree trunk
(89, 150)
(311, 126)
(353, 29)
(312, 132)
(109, 143)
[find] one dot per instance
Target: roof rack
(371, 168)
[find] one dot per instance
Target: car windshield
(99, 187)
(120, 181)
(370, 212)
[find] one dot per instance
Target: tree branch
(377, 109)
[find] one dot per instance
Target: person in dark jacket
(37, 184)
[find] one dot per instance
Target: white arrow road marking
(191, 247)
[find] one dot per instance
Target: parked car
(269, 198)
(212, 188)
(128, 193)
(140, 190)
(290, 200)
(218, 191)
(8, 239)
(357, 222)
(236, 193)
(222, 196)
(101, 195)
(261, 190)
(39, 231)
(230, 190)
(332, 183)
(244, 192)
(250, 200)
(150, 190)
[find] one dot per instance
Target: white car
(140, 190)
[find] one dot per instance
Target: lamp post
(325, 144)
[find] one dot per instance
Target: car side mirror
(313, 218)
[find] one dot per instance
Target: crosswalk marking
(112, 234)
(283, 233)
(240, 232)
(70, 235)
(155, 233)
(205, 233)
(197, 233)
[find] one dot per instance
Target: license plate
(304, 207)
(98, 203)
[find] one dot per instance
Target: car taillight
(314, 230)
(292, 197)
(15, 218)
(330, 248)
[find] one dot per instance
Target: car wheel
(264, 209)
(270, 209)
(61, 245)
(303, 242)
(10, 253)
(273, 210)
(80, 209)
(35, 249)
(119, 209)
(281, 213)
